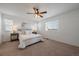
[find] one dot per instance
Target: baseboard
(45, 38)
(64, 43)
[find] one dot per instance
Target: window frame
(51, 24)
(8, 24)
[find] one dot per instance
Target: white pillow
(28, 32)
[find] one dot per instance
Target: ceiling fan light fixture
(36, 16)
(37, 13)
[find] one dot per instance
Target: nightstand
(14, 36)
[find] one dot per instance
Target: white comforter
(28, 36)
(28, 39)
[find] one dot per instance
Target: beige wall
(17, 21)
(5, 34)
(68, 31)
(0, 27)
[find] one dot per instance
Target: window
(8, 24)
(52, 25)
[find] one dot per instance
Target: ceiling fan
(37, 12)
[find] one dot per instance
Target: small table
(14, 36)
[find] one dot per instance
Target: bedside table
(14, 36)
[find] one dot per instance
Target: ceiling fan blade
(35, 10)
(40, 15)
(43, 12)
(30, 13)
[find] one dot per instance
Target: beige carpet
(46, 48)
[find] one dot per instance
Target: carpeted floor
(46, 48)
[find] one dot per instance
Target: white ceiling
(20, 9)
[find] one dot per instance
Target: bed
(28, 39)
